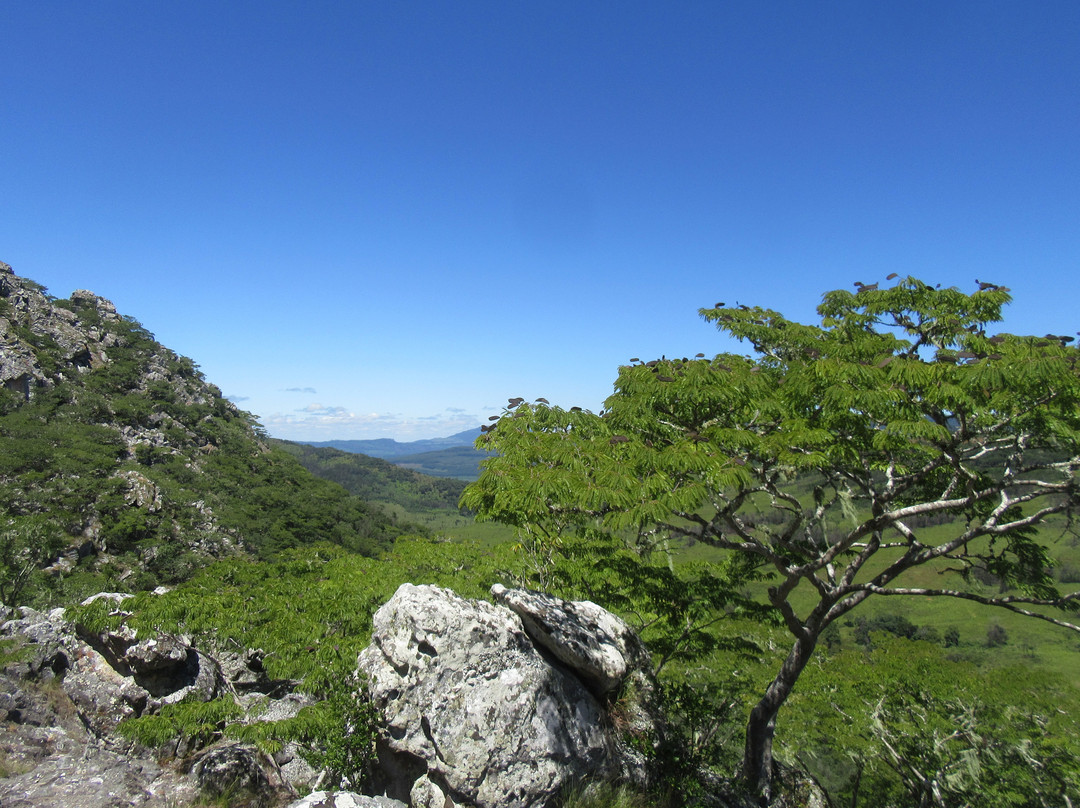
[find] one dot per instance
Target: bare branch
(1005, 602)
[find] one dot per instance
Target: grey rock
(425, 794)
(199, 675)
(470, 703)
(141, 491)
(610, 659)
(115, 597)
(245, 673)
(587, 638)
(293, 768)
(235, 771)
(345, 799)
(89, 777)
(111, 676)
(157, 654)
(55, 742)
(61, 704)
(48, 642)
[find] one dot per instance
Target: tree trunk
(757, 766)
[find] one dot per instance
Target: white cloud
(327, 412)
(319, 421)
(310, 390)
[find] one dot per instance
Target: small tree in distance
(819, 457)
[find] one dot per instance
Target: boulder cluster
(481, 705)
(66, 691)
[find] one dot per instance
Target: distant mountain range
(387, 448)
(453, 456)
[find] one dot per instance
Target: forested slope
(375, 480)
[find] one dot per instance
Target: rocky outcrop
(585, 637)
(67, 689)
(77, 335)
(609, 658)
(29, 316)
(479, 714)
(239, 773)
(63, 699)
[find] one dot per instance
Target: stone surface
(57, 751)
(587, 638)
(425, 794)
(610, 659)
(234, 771)
(157, 654)
(92, 777)
(472, 705)
(62, 698)
(345, 799)
(245, 673)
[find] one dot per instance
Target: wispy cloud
(237, 399)
(309, 390)
(319, 421)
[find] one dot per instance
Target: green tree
(26, 544)
(819, 459)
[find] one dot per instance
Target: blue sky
(376, 219)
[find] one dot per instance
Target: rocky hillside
(122, 464)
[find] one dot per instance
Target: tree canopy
(896, 433)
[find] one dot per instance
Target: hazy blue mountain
(387, 448)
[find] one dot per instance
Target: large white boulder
(472, 706)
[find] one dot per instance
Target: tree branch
(1005, 602)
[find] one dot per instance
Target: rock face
(479, 714)
(585, 637)
(61, 701)
(78, 332)
(609, 658)
(29, 309)
(65, 692)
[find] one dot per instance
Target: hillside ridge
(123, 465)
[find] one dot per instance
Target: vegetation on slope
(122, 467)
(375, 480)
